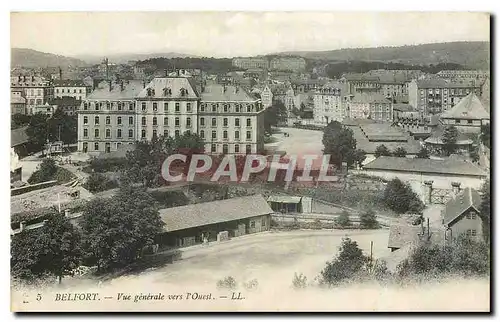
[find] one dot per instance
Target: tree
(382, 151)
(349, 262)
(450, 136)
(19, 120)
(359, 157)
(423, 153)
(45, 172)
(52, 249)
(116, 230)
(474, 155)
(38, 131)
(400, 198)
(339, 143)
(368, 220)
(343, 219)
(400, 152)
(485, 209)
(486, 135)
(97, 182)
(62, 126)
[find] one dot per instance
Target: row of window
(108, 133)
(213, 107)
(225, 148)
(68, 91)
(108, 120)
(166, 106)
(225, 135)
(225, 121)
(109, 105)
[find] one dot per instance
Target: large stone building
(295, 64)
(467, 116)
(71, 88)
(434, 96)
(373, 106)
(36, 90)
(328, 104)
(228, 118)
(465, 74)
(251, 62)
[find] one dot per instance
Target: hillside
(124, 58)
(472, 54)
(23, 57)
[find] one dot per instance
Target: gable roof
(446, 166)
(18, 136)
(175, 84)
(436, 136)
(457, 206)
(207, 213)
(469, 107)
(217, 93)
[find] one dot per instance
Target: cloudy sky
(229, 34)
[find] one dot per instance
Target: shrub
(98, 182)
(343, 220)
(227, 283)
(299, 281)
(368, 220)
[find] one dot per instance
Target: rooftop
(403, 108)
(69, 83)
(446, 166)
(130, 90)
(457, 206)
(175, 85)
(402, 233)
(369, 98)
(230, 93)
(207, 213)
(18, 136)
(369, 144)
(469, 107)
(437, 135)
(444, 83)
(65, 101)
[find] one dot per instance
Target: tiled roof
(369, 98)
(437, 135)
(17, 99)
(175, 84)
(403, 233)
(65, 101)
(219, 93)
(69, 83)
(457, 206)
(207, 213)
(443, 83)
(403, 107)
(33, 81)
(361, 77)
(130, 91)
(18, 136)
(411, 146)
(284, 199)
(469, 107)
(446, 166)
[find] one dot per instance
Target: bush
(343, 220)
(48, 171)
(251, 285)
(399, 197)
(368, 220)
(227, 283)
(97, 182)
(108, 165)
(299, 281)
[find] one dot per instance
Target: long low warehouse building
(215, 221)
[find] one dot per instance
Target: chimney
(24, 79)
(66, 213)
(32, 78)
(166, 72)
(143, 84)
(21, 226)
(110, 87)
(60, 73)
(455, 188)
(19, 78)
(428, 229)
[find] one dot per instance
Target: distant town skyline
(232, 34)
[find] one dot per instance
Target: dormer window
(183, 92)
(167, 91)
(151, 92)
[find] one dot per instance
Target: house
(19, 141)
(368, 105)
(285, 204)
(67, 104)
(461, 215)
(427, 175)
(185, 225)
(17, 103)
(434, 143)
(468, 115)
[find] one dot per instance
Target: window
(119, 133)
(471, 215)
(202, 134)
(248, 149)
(471, 233)
(225, 121)
(96, 120)
(249, 108)
(224, 135)
(108, 120)
(130, 133)
(108, 133)
(165, 107)
(155, 120)
(214, 121)
(96, 146)
(143, 134)
(252, 224)
(188, 107)
(131, 106)
(57, 90)
(143, 106)
(237, 107)
(177, 107)
(74, 91)
(249, 122)
(214, 107)
(457, 121)
(236, 148)
(80, 91)
(237, 122)
(85, 133)
(249, 135)
(225, 149)
(85, 106)
(155, 133)
(96, 133)
(108, 105)
(188, 122)
(469, 121)
(85, 120)
(130, 120)
(177, 122)
(143, 121)
(214, 148)
(225, 108)
(177, 133)
(202, 108)
(263, 222)
(236, 135)
(165, 133)
(214, 135)
(119, 120)
(165, 121)
(85, 147)
(202, 121)
(119, 106)
(155, 107)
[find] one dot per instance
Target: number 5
(39, 297)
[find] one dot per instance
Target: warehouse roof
(469, 107)
(207, 213)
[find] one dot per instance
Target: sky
(231, 34)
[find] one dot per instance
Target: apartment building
(328, 104)
(167, 106)
(36, 90)
(295, 64)
(361, 83)
(435, 96)
(251, 62)
(107, 117)
(374, 106)
(71, 88)
(17, 102)
(230, 120)
(464, 74)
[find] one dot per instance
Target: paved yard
(300, 141)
